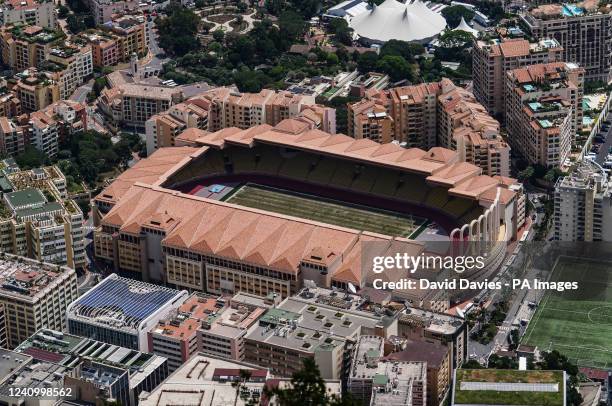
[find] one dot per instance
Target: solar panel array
(125, 301)
(510, 386)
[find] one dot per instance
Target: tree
(31, 158)
(471, 364)
(62, 11)
(526, 173)
(555, 361)
(177, 32)
(553, 174)
(453, 15)
(343, 34)
(307, 389)
(291, 25)
(218, 35)
(367, 61)
(75, 24)
(396, 67)
(407, 50)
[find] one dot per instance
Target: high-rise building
(583, 205)
(34, 295)
(430, 114)
(492, 58)
(544, 111)
(584, 32)
(121, 311)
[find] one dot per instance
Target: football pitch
(327, 211)
(577, 323)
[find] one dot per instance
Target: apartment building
(175, 336)
(36, 90)
(377, 382)
(95, 369)
(129, 33)
(120, 311)
(411, 115)
(44, 133)
(423, 325)
(224, 336)
(206, 112)
(104, 49)
(493, 58)
(162, 129)
(583, 31)
(24, 47)
(103, 10)
(29, 12)
(13, 138)
(438, 359)
(544, 111)
(34, 295)
(369, 119)
(303, 327)
(10, 106)
(131, 104)
(230, 108)
(465, 126)
(430, 114)
(583, 205)
(68, 116)
(38, 221)
(75, 66)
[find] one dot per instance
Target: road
(80, 94)
(605, 147)
(154, 62)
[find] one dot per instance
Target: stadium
(293, 199)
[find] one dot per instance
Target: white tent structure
(395, 20)
(463, 26)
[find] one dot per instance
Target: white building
(583, 206)
(394, 20)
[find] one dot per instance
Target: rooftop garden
(509, 397)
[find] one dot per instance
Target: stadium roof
(122, 303)
(395, 20)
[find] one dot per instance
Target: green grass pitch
(577, 323)
(326, 211)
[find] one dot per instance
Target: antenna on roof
(352, 288)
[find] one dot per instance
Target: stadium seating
(269, 161)
(386, 185)
(323, 171)
(343, 175)
(412, 189)
(437, 197)
(365, 180)
(458, 207)
(298, 166)
(243, 160)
